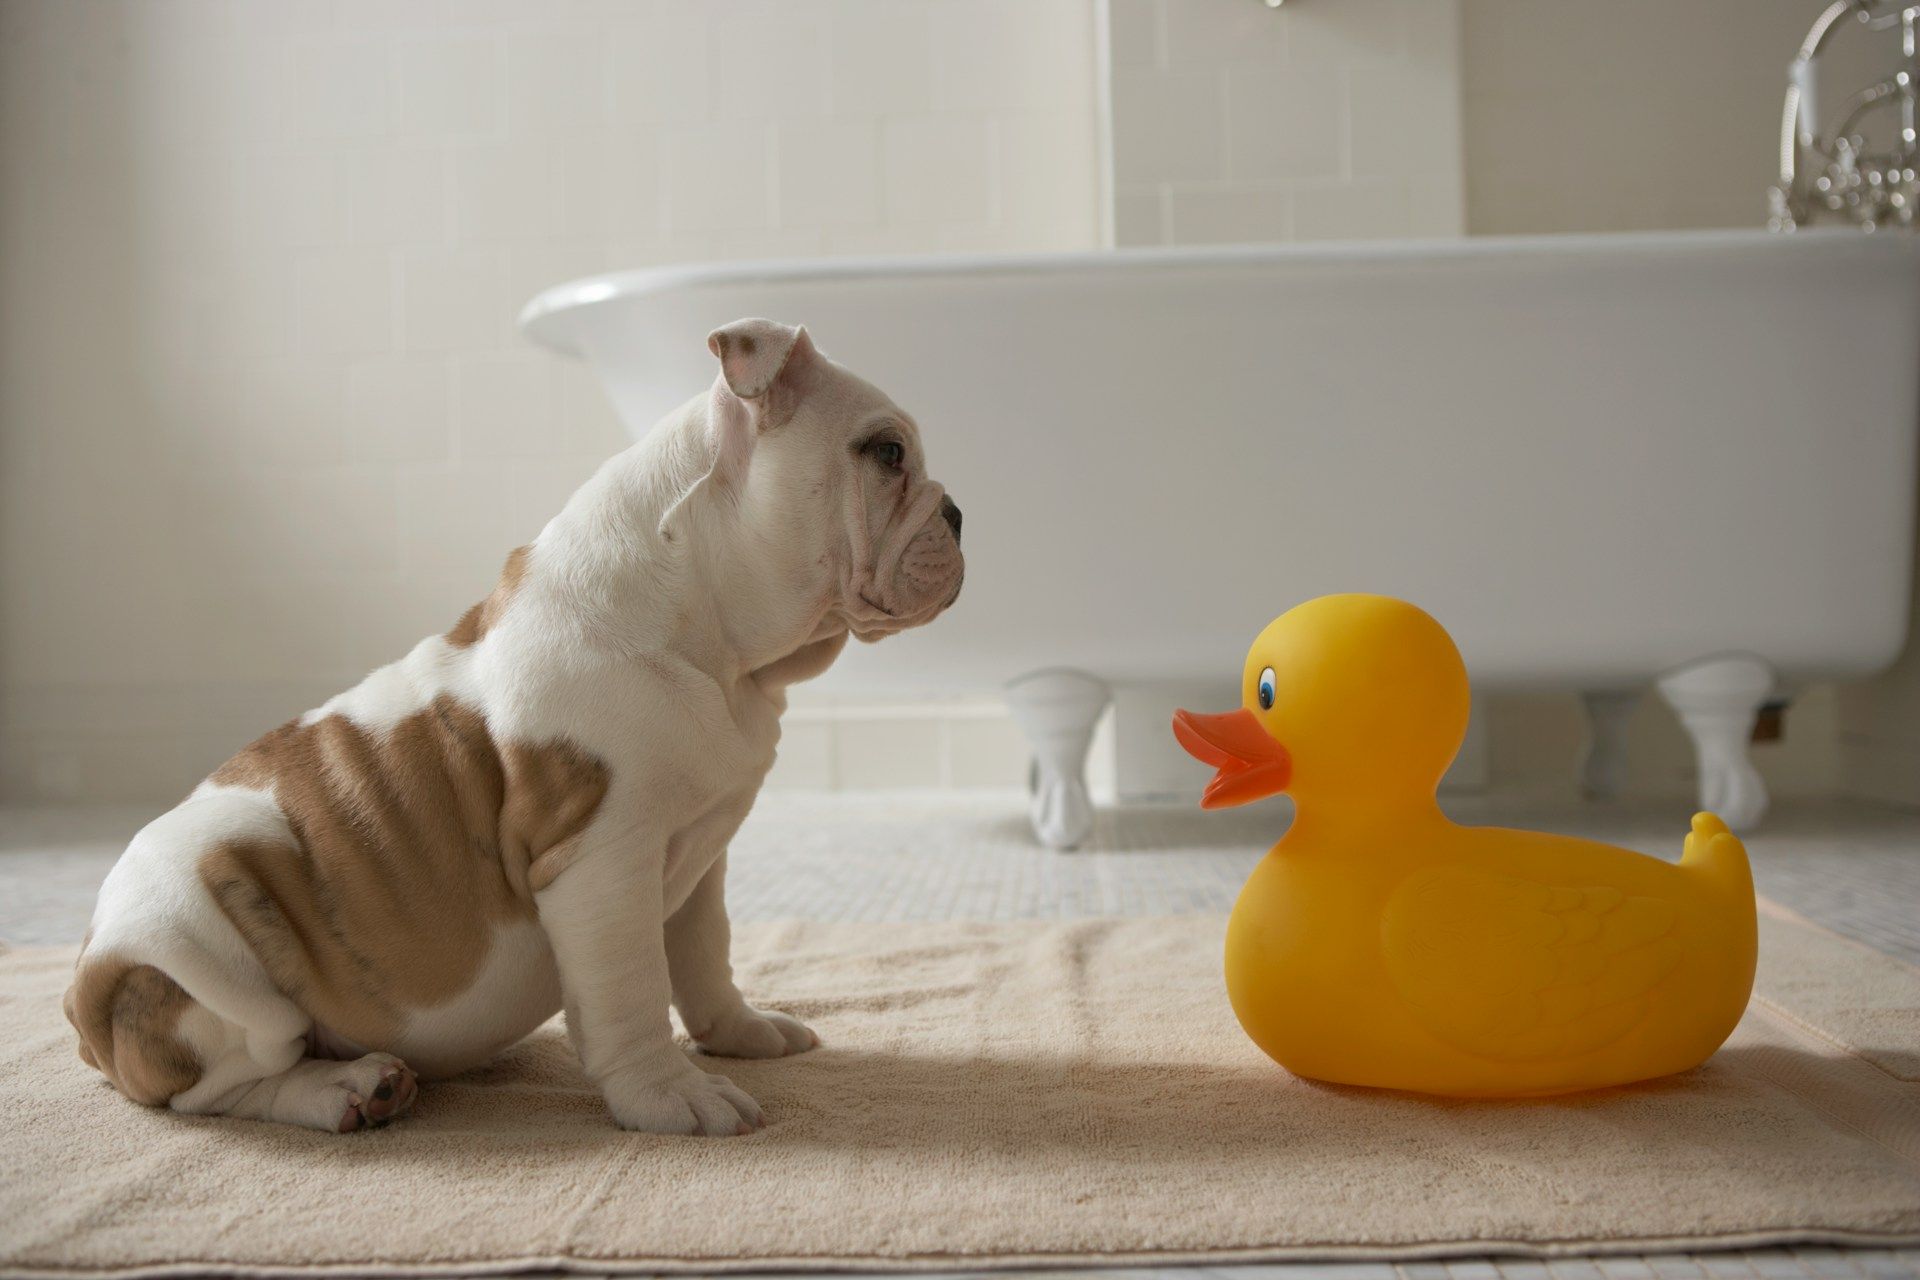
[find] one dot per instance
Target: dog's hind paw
(378, 1088)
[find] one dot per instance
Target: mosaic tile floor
(959, 855)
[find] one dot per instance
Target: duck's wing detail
(1514, 969)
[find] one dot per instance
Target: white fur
(397, 690)
(658, 620)
(154, 909)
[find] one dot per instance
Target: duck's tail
(1716, 855)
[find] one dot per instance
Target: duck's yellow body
(1381, 944)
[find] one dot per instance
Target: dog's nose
(952, 513)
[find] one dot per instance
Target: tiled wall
(1330, 120)
(960, 743)
(1635, 114)
(1878, 721)
(1343, 119)
(1879, 725)
(264, 420)
(1646, 115)
(264, 417)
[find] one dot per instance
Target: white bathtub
(1600, 461)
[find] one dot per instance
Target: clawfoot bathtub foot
(1718, 700)
(1604, 772)
(1057, 711)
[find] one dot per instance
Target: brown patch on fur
(555, 792)
(477, 621)
(128, 1017)
(410, 847)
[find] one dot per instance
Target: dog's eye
(891, 454)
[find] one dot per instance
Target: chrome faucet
(1835, 175)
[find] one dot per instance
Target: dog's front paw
(689, 1101)
(757, 1033)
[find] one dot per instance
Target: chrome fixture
(1835, 175)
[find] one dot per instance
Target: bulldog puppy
(532, 811)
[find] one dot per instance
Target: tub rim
(553, 316)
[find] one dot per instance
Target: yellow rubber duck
(1381, 944)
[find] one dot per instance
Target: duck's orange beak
(1252, 766)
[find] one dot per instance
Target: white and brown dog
(532, 811)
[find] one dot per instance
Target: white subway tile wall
(266, 420)
(1879, 725)
(965, 744)
(1235, 122)
(1643, 114)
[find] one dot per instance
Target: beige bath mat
(992, 1094)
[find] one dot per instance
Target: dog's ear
(755, 355)
(762, 366)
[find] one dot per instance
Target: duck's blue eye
(1266, 689)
